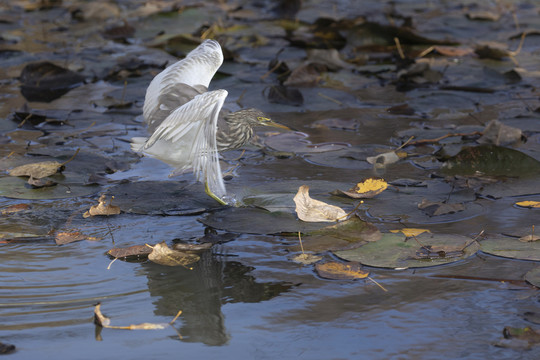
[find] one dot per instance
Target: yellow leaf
(312, 210)
(530, 204)
(371, 184)
(408, 232)
(338, 270)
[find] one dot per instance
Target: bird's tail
(137, 144)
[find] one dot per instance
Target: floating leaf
(409, 232)
(306, 259)
(62, 238)
(367, 188)
(340, 271)
(14, 209)
(397, 252)
(37, 170)
(193, 248)
(385, 159)
(45, 81)
(498, 133)
(312, 210)
(163, 255)
(439, 208)
(131, 251)
(102, 208)
(529, 204)
(103, 321)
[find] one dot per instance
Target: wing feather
(193, 127)
(181, 81)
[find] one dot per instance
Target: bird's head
(256, 117)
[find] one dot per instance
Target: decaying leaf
(409, 232)
(519, 338)
(163, 255)
(103, 321)
(192, 248)
(386, 158)
(6, 348)
(306, 258)
(40, 183)
(312, 210)
(341, 271)
(37, 170)
(62, 238)
(529, 238)
(367, 189)
(14, 209)
(498, 133)
(438, 252)
(439, 208)
(102, 208)
(529, 204)
(135, 250)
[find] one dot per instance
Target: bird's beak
(268, 122)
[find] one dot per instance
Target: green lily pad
(493, 161)
(533, 276)
(512, 248)
(395, 251)
(69, 185)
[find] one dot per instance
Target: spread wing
(181, 82)
(192, 127)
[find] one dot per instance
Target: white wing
(181, 81)
(191, 128)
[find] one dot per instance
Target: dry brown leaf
(340, 271)
(37, 170)
(163, 255)
(102, 208)
(312, 210)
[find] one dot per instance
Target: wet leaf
(45, 81)
(529, 204)
(312, 210)
(131, 251)
(279, 94)
(102, 208)
(341, 271)
(192, 248)
(409, 232)
(70, 185)
(37, 170)
(103, 321)
(306, 258)
(62, 238)
(163, 255)
(14, 209)
(99, 318)
(529, 238)
(519, 338)
(498, 133)
(6, 348)
(436, 208)
(398, 252)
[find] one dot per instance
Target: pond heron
(185, 122)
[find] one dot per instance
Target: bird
(185, 121)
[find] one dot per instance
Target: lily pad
(512, 248)
(395, 251)
(68, 186)
(175, 198)
(533, 276)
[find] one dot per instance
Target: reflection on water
(201, 292)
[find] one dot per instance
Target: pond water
(246, 297)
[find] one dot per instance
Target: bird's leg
(212, 195)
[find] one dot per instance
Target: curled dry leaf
(340, 271)
(102, 208)
(163, 255)
(103, 321)
(312, 210)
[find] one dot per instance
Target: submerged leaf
(439, 208)
(312, 210)
(340, 271)
(306, 259)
